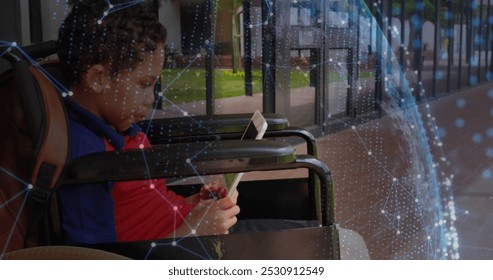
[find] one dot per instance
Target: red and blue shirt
(114, 211)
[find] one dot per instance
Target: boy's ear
(96, 78)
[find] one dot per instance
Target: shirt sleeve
(146, 209)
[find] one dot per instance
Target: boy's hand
(212, 217)
(214, 190)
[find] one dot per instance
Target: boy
(112, 53)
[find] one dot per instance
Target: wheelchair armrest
(192, 159)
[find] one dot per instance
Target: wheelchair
(30, 218)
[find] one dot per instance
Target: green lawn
(180, 85)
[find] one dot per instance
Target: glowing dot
(353, 127)
(105, 13)
(477, 138)
(207, 42)
(152, 186)
(193, 231)
(369, 153)
(188, 160)
(141, 146)
(416, 200)
(460, 103)
(160, 94)
(419, 176)
(70, 93)
(297, 68)
(489, 152)
(175, 208)
(398, 232)
(486, 173)
(185, 113)
(467, 211)
(459, 122)
(30, 186)
(428, 237)
(382, 211)
(99, 21)
(173, 243)
(153, 244)
(14, 44)
(251, 26)
(398, 217)
(64, 94)
(199, 55)
(267, 65)
(394, 179)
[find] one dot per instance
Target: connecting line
(6, 51)
(13, 227)
(116, 7)
(13, 176)
(45, 73)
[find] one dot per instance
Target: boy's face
(128, 95)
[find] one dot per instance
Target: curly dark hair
(116, 33)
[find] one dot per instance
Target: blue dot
(486, 173)
(439, 75)
(489, 132)
(489, 152)
(489, 75)
(473, 79)
(460, 122)
(477, 138)
(461, 103)
(442, 132)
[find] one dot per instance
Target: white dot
(428, 237)
(141, 146)
(99, 21)
(369, 153)
(175, 208)
(152, 186)
(105, 13)
(64, 94)
(398, 232)
(70, 93)
(188, 160)
(398, 217)
(173, 243)
(111, 6)
(394, 179)
(30, 186)
(153, 244)
(383, 211)
(199, 55)
(185, 113)
(353, 127)
(14, 44)
(416, 200)
(193, 231)
(251, 26)
(160, 93)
